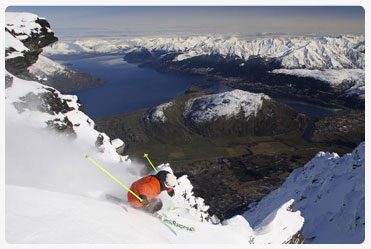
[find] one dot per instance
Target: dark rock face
(8, 81)
(120, 150)
(48, 102)
(18, 65)
(35, 42)
(64, 127)
(99, 141)
(297, 238)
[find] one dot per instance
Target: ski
(164, 219)
(160, 217)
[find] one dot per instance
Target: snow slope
(61, 218)
(224, 105)
(330, 193)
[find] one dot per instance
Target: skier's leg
(153, 206)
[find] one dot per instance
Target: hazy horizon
(120, 21)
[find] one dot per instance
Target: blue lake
(128, 87)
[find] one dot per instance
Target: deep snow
(330, 192)
(224, 105)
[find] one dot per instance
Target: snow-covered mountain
(293, 52)
(330, 193)
(333, 59)
(352, 80)
(54, 195)
(210, 107)
(234, 112)
(224, 105)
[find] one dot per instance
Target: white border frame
(5, 3)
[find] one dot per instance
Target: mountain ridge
(71, 194)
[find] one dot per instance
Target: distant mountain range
(284, 64)
(296, 52)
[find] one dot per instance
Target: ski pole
(110, 175)
(146, 156)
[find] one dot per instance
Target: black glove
(145, 201)
(170, 192)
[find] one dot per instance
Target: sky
(73, 22)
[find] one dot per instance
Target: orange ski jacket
(148, 187)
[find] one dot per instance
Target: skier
(149, 187)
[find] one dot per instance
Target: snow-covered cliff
(25, 35)
(329, 191)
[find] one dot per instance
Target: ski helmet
(170, 181)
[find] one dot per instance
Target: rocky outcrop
(26, 36)
(34, 32)
(119, 145)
